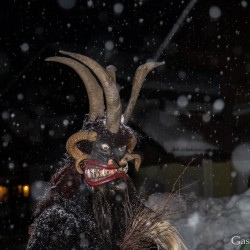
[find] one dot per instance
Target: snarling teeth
(100, 173)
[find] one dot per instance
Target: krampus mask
(108, 214)
(104, 146)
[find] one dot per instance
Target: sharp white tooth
(92, 171)
(97, 173)
(126, 169)
(103, 172)
(88, 174)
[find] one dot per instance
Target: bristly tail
(149, 230)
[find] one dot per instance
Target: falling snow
(244, 4)
(25, 47)
(214, 12)
(5, 115)
(182, 101)
(11, 165)
(241, 158)
(109, 45)
(90, 3)
(218, 105)
(197, 105)
(38, 189)
(206, 117)
(118, 8)
(20, 96)
(66, 4)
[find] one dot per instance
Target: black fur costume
(69, 222)
(91, 202)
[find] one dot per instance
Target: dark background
(42, 103)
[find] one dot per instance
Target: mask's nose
(113, 158)
(110, 162)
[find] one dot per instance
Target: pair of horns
(89, 71)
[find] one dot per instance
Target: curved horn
(140, 76)
(114, 109)
(129, 157)
(94, 91)
(74, 151)
(111, 69)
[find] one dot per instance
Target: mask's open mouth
(97, 174)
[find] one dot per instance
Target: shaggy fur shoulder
(68, 224)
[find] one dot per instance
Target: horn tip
(137, 167)
(48, 59)
(64, 52)
(159, 63)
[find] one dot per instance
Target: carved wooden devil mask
(102, 148)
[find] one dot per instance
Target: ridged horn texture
(74, 151)
(111, 69)
(94, 91)
(140, 76)
(113, 102)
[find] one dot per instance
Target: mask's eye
(105, 147)
(121, 149)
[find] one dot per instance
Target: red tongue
(112, 167)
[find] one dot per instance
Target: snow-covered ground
(209, 223)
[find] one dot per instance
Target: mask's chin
(97, 174)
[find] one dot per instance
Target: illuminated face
(105, 164)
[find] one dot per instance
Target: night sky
(197, 105)
(43, 103)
